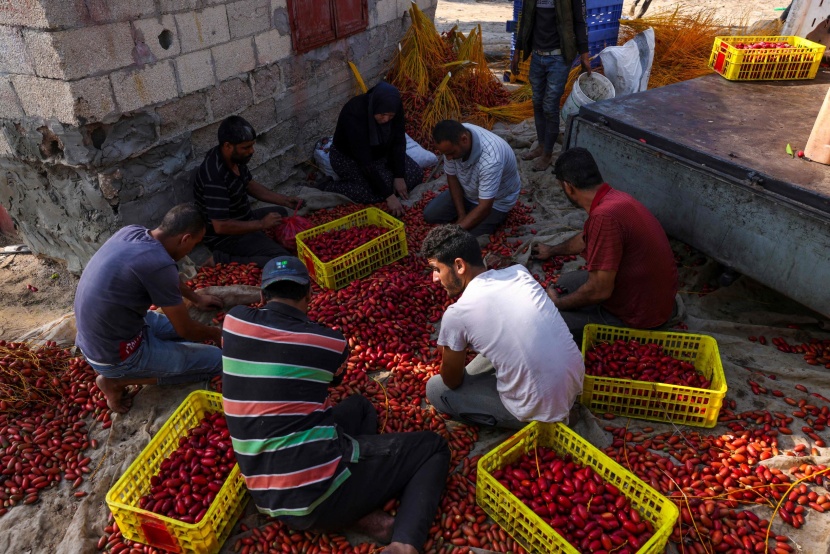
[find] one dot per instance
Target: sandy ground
(492, 15)
(21, 309)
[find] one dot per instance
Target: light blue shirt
(489, 172)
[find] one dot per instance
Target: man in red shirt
(631, 278)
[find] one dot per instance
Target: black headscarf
(383, 98)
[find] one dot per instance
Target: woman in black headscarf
(369, 150)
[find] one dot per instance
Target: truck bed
(740, 129)
(708, 158)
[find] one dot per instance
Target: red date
(188, 479)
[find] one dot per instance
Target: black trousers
(576, 320)
(354, 184)
(413, 466)
(254, 247)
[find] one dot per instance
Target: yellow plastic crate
(204, 537)
(530, 530)
(766, 64)
(361, 261)
(658, 401)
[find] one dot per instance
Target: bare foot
(541, 252)
(377, 525)
(542, 162)
(400, 548)
(114, 395)
(533, 154)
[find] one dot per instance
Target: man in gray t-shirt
(124, 342)
(482, 176)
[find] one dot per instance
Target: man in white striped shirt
(482, 175)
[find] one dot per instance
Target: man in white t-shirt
(482, 175)
(532, 369)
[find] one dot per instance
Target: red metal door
(312, 23)
(351, 16)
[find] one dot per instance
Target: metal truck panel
(724, 185)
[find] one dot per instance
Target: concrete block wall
(106, 107)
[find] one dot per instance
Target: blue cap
(284, 268)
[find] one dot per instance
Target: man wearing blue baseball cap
(306, 462)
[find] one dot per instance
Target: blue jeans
(163, 355)
(548, 76)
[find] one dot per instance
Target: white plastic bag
(628, 66)
(421, 155)
(321, 157)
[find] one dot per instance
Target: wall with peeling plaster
(107, 106)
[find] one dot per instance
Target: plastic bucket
(587, 89)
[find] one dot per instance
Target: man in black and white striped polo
(235, 232)
(482, 175)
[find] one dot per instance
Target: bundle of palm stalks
(421, 55)
(521, 94)
(444, 76)
(442, 105)
(361, 86)
(509, 113)
(471, 50)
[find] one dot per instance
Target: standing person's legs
(576, 320)
(476, 401)
(556, 72)
(538, 85)
(412, 465)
